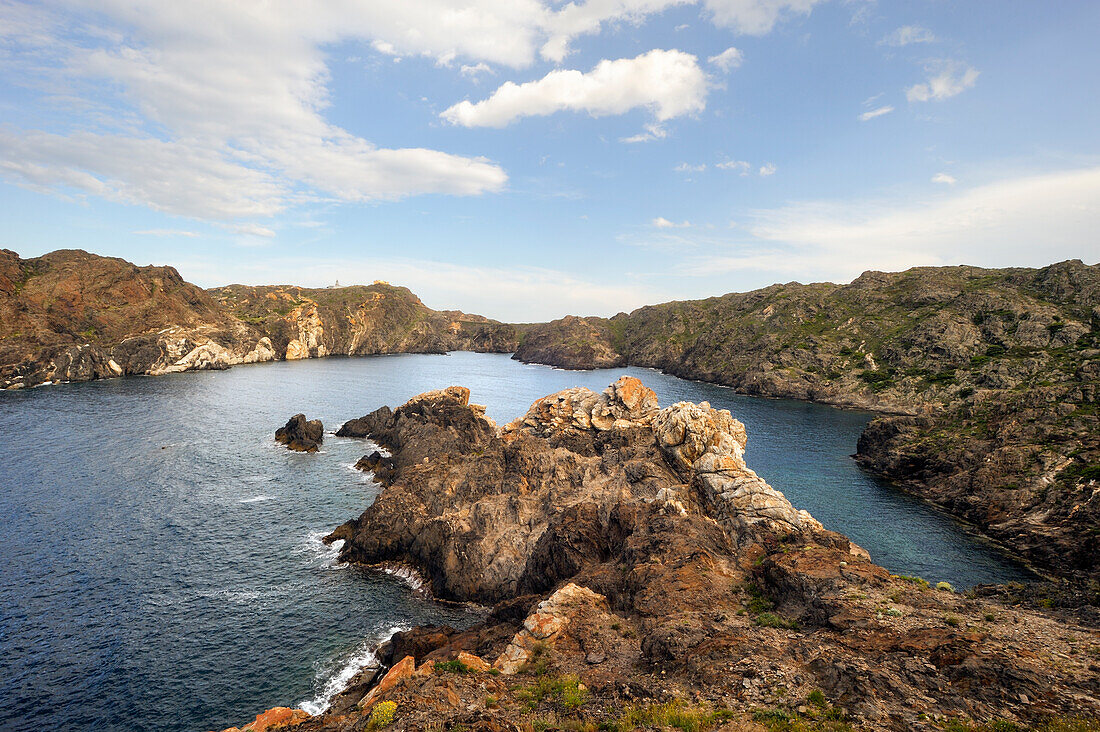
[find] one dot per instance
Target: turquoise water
(162, 560)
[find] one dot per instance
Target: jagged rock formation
(73, 316)
(633, 581)
(300, 434)
(994, 375)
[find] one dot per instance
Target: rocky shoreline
(642, 576)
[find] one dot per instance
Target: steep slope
(74, 316)
(994, 374)
(359, 320)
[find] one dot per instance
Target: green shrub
(945, 586)
(451, 667)
(771, 620)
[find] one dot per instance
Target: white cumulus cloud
(669, 83)
(944, 178)
(662, 223)
(767, 169)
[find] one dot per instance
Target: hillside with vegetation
(989, 378)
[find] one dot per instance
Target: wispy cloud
(652, 132)
(253, 230)
(767, 169)
(729, 59)
(662, 223)
(908, 34)
(742, 166)
(474, 71)
(944, 178)
(167, 232)
(887, 109)
(688, 168)
(1027, 220)
(948, 78)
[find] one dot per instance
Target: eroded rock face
(710, 444)
(550, 619)
(300, 434)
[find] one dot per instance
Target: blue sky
(526, 159)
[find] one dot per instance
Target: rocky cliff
(642, 576)
(993, 373)
(74, 316)
(359, 321)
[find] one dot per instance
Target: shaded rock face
(633, 555)
(300, 434)
(570, 343)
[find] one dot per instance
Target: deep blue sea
(162, 564)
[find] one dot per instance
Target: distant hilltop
(74, 316)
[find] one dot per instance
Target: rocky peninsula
(642, 576)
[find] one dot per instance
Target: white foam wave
(320, 554)
(257, 499)
(411, 577)
(335, 675)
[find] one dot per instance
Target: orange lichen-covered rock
(276, 716)
(401, 670)
(472, 662)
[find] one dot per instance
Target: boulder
(301, 435)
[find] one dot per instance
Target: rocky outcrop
(711, 444)
(640, 569)
(570, 343)
(300, 434)
(993, 374)
(281, 718)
